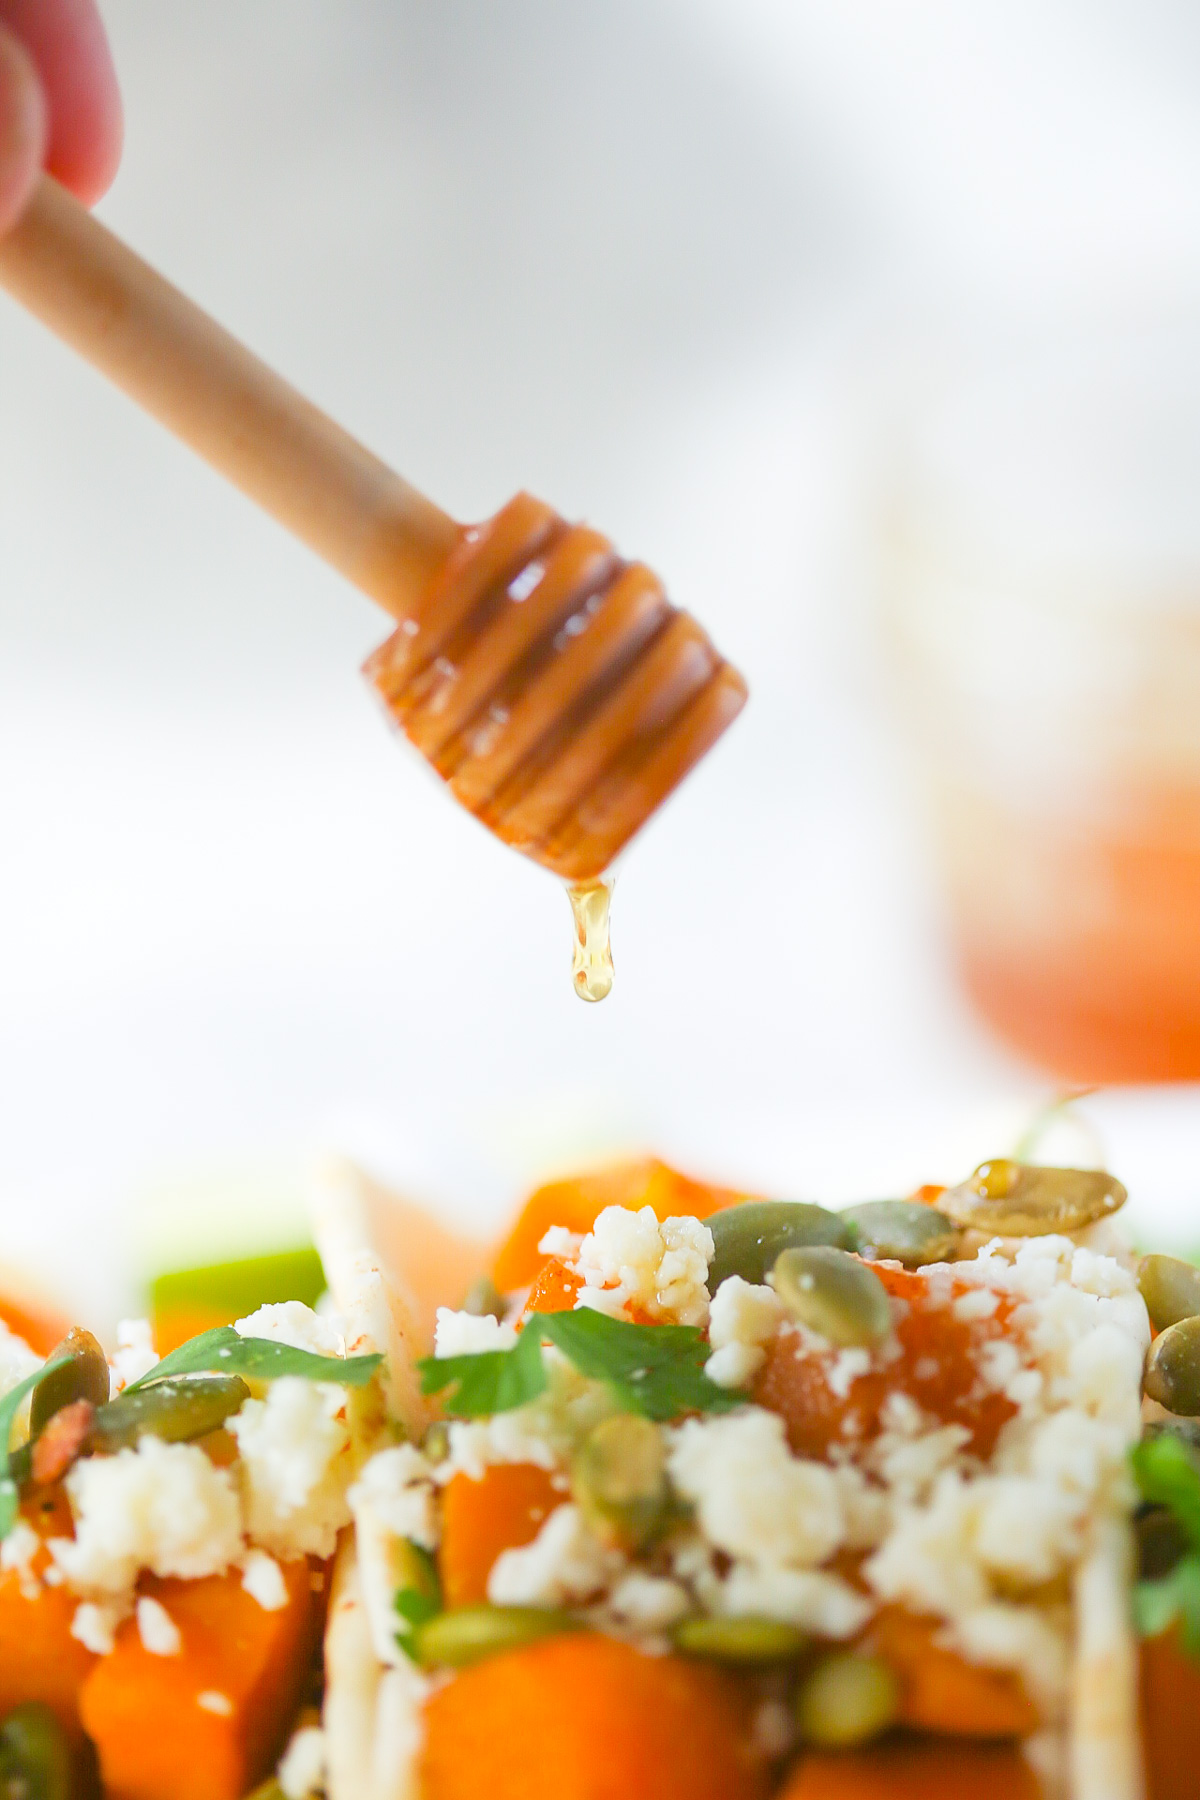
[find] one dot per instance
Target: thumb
(22, 127)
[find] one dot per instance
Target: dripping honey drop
(592, 968)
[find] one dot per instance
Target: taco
(676, 1493)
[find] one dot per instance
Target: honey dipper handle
(204, 386)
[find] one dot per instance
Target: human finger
(22, 127)
(84, 125)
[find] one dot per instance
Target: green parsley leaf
(657, 1370)
(223, 1352)
(1169, 1475)
(488, 1381)
(10, 1405)
(1158, 1604)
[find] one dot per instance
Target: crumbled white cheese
(134, 1355)
(213, 1701)
(301, 1771)
(812, 1599)
(735, 1365)
(565, 1563)
(1024, 1638)
(397, 1484)
(17, 1360)
(977, 1303)
(291, 1322)
(263, 1580)
(162, 1507)
(754, 1499)
(645, 1602)
(558, 1241)
(743, 1318)
(95, 1626)
(158, 1631)
(295, 1467)
(18, 1551)
(966, 1543)
(846, 1368)
(634, 1261)
(466, 1334)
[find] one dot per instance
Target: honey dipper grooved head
(554, 687)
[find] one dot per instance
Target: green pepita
(848, 1699)
(176, 1411)
(834, 1294)
(435, 1445)
(746, 1640)
(484, 1299)
(85, 1377)
(619, 1481)
(1013, 1199)
(417, 1589)
(1173, 1368)
(35, 1758)
(468, 1634)
(748, 1238)
(1170, 1288)
(903, 1231)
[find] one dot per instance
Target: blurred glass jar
(1042, 578)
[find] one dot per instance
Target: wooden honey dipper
(552, 685)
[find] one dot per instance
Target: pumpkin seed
(417, 1588)
(35, 1758)
(834, 1294)
(748, 1238)
(747, 1640)
(619, 1481)
(903, 1231)
(847, 1699)
(468, 1634)
(85, 1377)
(1173, 1368)
(176, 1411)
(435, 1445)
(1014, 1199)
(484, 1299)
(1170, 1288)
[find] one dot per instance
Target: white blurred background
(677, 266)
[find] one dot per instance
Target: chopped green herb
(656, 1370)
(1158, 1604)
(419, 1595)
(10, 1405)
(489, 1381)
(223, 1352)
(1168, 1475)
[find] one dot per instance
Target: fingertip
(87, 121)
(23, 127)
(84, 123)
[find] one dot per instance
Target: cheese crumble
(291, 1322)
(294, 1466)
(158, 1631)
(134, 1355)
(162, 1507)
(629, 1261)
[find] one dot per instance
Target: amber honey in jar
(1042, 578)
